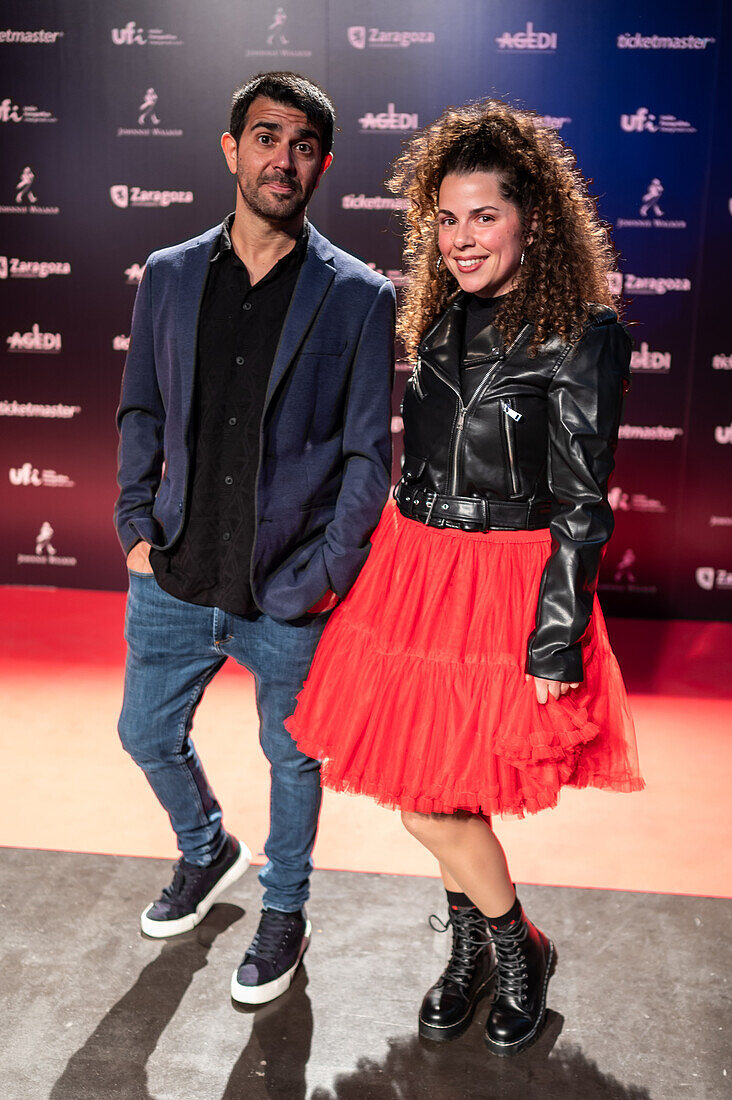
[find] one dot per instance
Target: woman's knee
(427, 828)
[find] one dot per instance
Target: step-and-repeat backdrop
(110, 119)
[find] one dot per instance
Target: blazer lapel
(193, 276)
(315, 277)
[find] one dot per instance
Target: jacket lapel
(193, 275)
(315, 277)
(442, 345)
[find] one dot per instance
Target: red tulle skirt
(417, 697)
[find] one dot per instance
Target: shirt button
(240, 360)
(228, 480)
(232, 421)
(226, 536)
(247, 305)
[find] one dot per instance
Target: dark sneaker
(187, 900)
(269, 965)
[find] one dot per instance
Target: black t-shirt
(479, 312)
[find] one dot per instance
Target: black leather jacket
(532, 435)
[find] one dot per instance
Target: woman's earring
(523, 254)
(439, 262)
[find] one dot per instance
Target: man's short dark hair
(294, 91)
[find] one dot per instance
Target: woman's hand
(545, 688)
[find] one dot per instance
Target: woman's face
(479, 233)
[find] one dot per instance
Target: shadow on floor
(113, 1060)
(274, 1061)
(415, 1069)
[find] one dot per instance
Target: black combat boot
(448, 1006)
(525, 958)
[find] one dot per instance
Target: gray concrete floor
(639, 1004)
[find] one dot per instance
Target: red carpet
(68, 784)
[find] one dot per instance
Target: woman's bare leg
(449, 882)
(470, 856)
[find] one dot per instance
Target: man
(254, 461)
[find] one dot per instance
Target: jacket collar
(443, 343)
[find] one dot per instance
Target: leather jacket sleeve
(585, 400)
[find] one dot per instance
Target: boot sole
(162, 929)
(262, 994)
(506, 1050)
(453, 1031)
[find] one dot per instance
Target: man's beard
(270, 205)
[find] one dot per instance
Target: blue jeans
(174, 649)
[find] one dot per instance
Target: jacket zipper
(509, 430)
(464, 410)
(416, 379)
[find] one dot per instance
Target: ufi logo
(528, 41)
(30, 476)
(125, 196)
(643, 121)
(132, 35)
(12, 112)
(390, 119)
(48, 343)
(723, 433)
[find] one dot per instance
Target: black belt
(471, 513)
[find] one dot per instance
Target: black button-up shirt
(238, 333)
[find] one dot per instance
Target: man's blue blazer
(325, 446)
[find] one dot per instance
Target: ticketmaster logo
(659, 433)
(373, 202)
(30, 38)
(640, 41)
(124, 196)
(45, 412)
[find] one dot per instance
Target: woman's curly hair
(570, 256)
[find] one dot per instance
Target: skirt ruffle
(417, 695)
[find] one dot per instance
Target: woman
(468, 673)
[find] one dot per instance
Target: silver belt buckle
(430, 505)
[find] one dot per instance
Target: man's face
(278, 161)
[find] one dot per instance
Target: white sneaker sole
(162, 929)
(261, 994)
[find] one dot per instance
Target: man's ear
(327, 161)
(229, 146)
